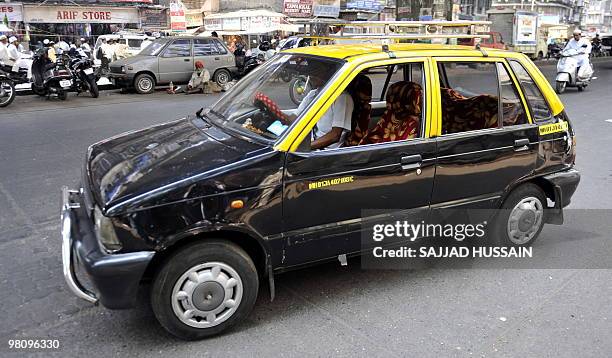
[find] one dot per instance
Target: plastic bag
(585, 70)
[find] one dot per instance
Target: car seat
(462, 114)
(401, 119)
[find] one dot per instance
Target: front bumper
(115, 277)
(121, 79)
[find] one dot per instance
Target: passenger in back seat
(402, 118)
(462, 114)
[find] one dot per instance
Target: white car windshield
(269, 100)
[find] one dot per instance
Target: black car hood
(140, 166)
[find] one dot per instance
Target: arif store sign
(77, 14)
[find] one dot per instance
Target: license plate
(65, 83)
(88, 71)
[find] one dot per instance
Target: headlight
(105, 231)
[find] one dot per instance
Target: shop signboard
(153, 18)
(194, 18)
(231, 24)
(213, 24)
(79, 14)
(326, 8)
(178, 22)
(369, 5)
(10, 11)
(297, 8)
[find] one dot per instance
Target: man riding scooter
(574, 67)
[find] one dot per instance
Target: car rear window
(134, 42)
(540, 111)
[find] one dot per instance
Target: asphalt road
(327, 310)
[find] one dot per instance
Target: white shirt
(13, 52)
(338, 115)
(3, 53)
(85, 47)
(583, 58)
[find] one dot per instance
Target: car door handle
(521, 144)
(410, 162)
(187, 59)
(217, 58)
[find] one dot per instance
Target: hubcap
(525, 220)
(206, 295)
(222, 78)
(145, 84)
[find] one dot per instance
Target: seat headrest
(405, 99)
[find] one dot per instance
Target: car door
(331, 196)
(207, 50)
(486, 142)
(176, 62)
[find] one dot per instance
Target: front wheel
(204, 288)
(144, 83)
(93, 87)
(299, 88)
(521, 217)
(560, 86)
(63, 95)
(7, 92)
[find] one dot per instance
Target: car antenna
(482, 50)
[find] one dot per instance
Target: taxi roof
(353, 51)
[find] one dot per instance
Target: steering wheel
(266, 104)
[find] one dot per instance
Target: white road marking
(609, 120)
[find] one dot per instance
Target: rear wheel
(144, 83)
(581, 88)
(39, 91)
(7, 92)
(63, 95)
(560, 86)
(521, 217)
(204, 288)
(222, 77)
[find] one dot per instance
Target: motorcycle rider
(580, 44)
(13, 50)
(3, 49)
(596, 43)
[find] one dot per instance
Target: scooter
(84, 78)
(569, 74)
(50, 78)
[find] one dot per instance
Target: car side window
(513, 112)
(204, 47)
(539, 107)
(469, 96)
(179, 48)
(220, 48)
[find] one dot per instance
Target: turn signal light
(237, 204)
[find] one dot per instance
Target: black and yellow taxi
(211, 206)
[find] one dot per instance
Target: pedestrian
(3, 50)
(214, 34)
(85, 47)
(51, 54)
(121, 50)
(200, 80)
(13, 50)
(62, 46)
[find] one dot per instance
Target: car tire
(144, 83)
(560, 86)
(581, 88)
(207, 281)
(521, 218)
(222, 77)
(63, 95)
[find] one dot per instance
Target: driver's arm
(330, 138)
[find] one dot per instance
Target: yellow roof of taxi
(344, 51)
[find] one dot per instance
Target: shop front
(11, 17)
(73, 22)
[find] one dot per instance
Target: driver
(335, 124)
(581, 45)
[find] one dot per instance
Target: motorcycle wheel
(7, 91)
(298, 89)
(63, 95)
(581, 88)
(285, 76)
(93, 88)
(560, 87)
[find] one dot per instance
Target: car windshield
(153, 48)
(269, 100)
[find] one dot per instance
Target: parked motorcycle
(568, 72)
(83, 76)
(247, 64)
(7, 90)
(50, 78)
